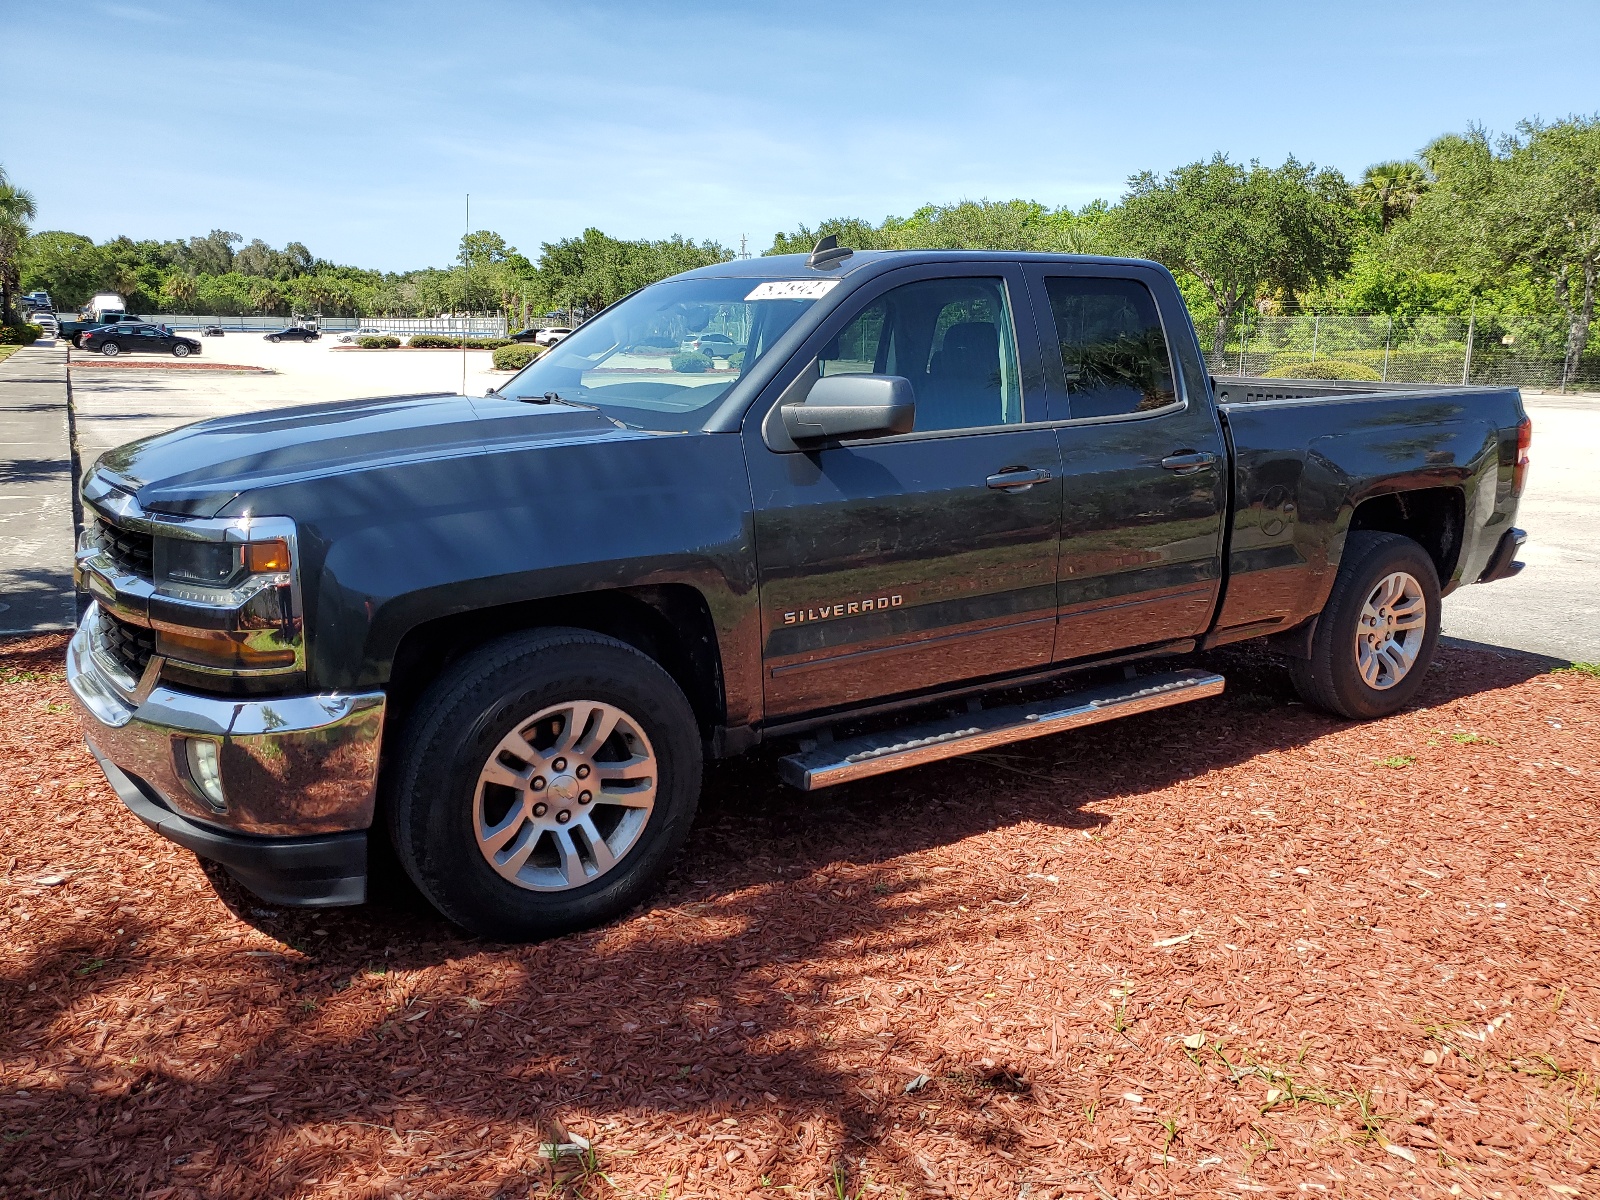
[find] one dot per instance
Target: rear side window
(952, 338)
(1113, 351)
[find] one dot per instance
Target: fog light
(205, 769)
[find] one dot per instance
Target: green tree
(1239, 230)
(16, 210)
(1528, 202)
(67, 265)
(1390, 190)
(180, 290)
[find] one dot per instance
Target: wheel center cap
(563, 789)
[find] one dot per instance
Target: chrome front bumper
(290, 766)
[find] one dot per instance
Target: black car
(212, 331)
(136, 336)
(294, 333)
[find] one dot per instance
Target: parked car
(551, 335)
(138, 337)
(294, 333)
(46, 321)
(37, 301)
(718, 345)
(213, 331)
(364, 331)
(906, 505)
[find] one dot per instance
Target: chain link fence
(1483, 348)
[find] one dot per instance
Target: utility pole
(744, 251)
(1472, 319)
(1387, 339)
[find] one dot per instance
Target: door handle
(1017, 479)
(1187, 462)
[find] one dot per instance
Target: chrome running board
(895, 749)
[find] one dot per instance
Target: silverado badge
(848, 609)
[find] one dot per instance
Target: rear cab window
(1114, 354)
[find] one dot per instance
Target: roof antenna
(827, 252)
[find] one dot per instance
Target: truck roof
(870, 262)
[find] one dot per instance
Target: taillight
(1519, 473)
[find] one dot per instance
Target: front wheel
(110, 349)
(180, 351)
(1377, 634)
(274, 339)
(550, 780)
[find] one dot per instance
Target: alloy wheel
(1393, 622)
(565, 796)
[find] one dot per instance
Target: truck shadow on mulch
(702, 1001)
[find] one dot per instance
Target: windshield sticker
(793, 289)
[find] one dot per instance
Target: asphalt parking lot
(120, 402)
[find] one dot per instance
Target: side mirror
(841, 406)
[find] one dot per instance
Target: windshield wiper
(558, 398)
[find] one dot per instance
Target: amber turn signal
(264, 557)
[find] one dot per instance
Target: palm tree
(16, 210)
(1391, 190)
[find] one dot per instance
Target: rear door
(1143, 461)
(894, 564)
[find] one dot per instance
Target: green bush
(381, 342)
(515, 355)
(691, 362)
(736, 359)
(443, 341)
(20, 335)
(1325, 368)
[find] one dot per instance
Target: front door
(1143, 461)
(899, 563)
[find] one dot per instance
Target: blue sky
(358, 128)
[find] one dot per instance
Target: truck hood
(196, 470)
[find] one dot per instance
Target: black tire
(274, 338)
(110, 349)
(461, 720)
(1331, 678)
(180, 351)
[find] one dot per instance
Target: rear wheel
(1376, 636)
(110, 349)
(549, 782)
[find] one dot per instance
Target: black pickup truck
(503, 632)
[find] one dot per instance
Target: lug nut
(538, 783)
(563, 817)
(585, 797)
(560, 764)
(539, 810)
(583, 770)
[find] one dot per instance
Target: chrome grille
(129, 645)
(127, 548)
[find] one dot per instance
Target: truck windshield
(663, 358)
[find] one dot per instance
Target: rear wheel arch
(1434, 518)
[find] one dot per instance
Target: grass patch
(1578, 668)
(1472, 739)
(7, 351)
(1397, 761)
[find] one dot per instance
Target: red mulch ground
(1237, 947)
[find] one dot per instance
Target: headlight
(251, 581)
(217, 564)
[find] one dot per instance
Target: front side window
(664, 358)
(952, 338)
(1113, 351)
